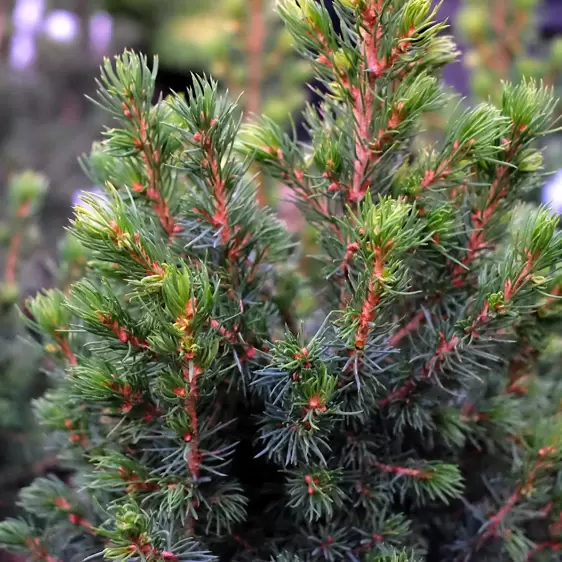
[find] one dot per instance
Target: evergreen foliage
(242, 43)
(504, 44)
(19, 362)
(22, 457)
(405, 420)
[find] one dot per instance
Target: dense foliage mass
(408, 419)
(21, 456)
(20, 378)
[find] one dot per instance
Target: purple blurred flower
(27, 14)
(22, 50)
(552, 192)
(62, 26)
(78, 199)
(101, 32)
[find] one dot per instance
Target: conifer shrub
(407, 419)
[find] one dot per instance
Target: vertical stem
(65, 348)
(13, 258)
(256, 37)
(499, 21)
(256, 34)
(15, 246)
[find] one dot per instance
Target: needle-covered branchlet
(411, 417)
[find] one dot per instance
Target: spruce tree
(405, 420)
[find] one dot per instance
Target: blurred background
(50, 51)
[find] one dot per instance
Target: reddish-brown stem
(499, 21)
(121, 332)
(400, 393)
(363, 99)
(141, 255)
(373, 298)
(369, 306)
(402, 471)
(135, 482)
(242, 542)
(15, 246)
(496, 520)
(39, 553)
(481, 217)
(219, 220)
(13, 258)
(151, 158)
(350, 252)
(220, 217)
(79, 521)
(477, 241)
(375, 540)
(445, 348)
(65, 348)
(367, 148)
(552, 545)
(130, 398)
(191, 372)
(407, 329)
(256, 36)
(232, 337)
(147, 551)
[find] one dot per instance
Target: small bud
(544, 229)
(9, 294)
(472, 22)
(496, 301)
(556, 52)
(530, 160)
(538, 279)
(341, 60)
(27, 188)
(314, 402)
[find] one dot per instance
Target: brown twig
(256, 37)
(15, 246)
(407, 329)
(256, 34)
(13, 258)
(499, 22)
